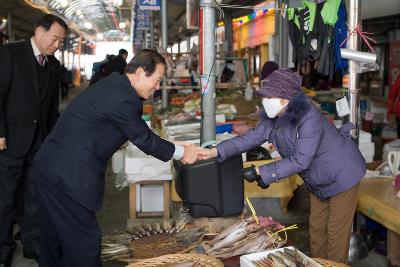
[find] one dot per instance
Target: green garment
(329, 11)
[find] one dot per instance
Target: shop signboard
(394, 62)
(150, 4)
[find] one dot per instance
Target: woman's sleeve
(249, 140)
(306, 146)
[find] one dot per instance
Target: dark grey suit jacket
(22, 105)
(94, 125)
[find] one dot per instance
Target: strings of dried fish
(245, 236)
(150, 240)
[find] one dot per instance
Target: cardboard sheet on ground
(377, 200)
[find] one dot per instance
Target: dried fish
(139, 229)
(288, 260)
(179, 225)
(133, 232)
(147, 227)
(157, 227)
(167, 225)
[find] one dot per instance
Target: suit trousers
(17, 189)
(70, 235)
(330, 225)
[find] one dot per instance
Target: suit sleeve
(54, 105)
(5, 74)
(127, 117)
(240, 144)
(306, 146)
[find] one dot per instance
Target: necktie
(41, 59)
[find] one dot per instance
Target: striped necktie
(41, 59)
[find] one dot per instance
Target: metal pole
(151, 29)
(283, 38)
(357, 248)
(164, 36)
(354, 83)
(228, 35)
(208, 75)
(9, 28)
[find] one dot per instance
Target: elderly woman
(327, 159)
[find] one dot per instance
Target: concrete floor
(113, 217)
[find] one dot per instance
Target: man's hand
(207, 153)
(181, 143)
(3, 144)
(190, 154)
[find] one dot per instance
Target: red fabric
(393, 104)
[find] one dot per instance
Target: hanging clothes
(311, 31)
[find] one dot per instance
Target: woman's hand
(208, 153)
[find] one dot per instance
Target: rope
(253, 211)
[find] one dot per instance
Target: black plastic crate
(210, 188)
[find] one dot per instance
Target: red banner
(394, 62)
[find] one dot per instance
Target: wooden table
(133, 214)
(377, 200)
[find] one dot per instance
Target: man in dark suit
(70, 166)
(28, 111)
(117, 63)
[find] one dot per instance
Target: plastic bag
(392, 146)
(118, 168)
(366, 67)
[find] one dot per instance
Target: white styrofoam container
(149, 198)
(365, 137)
(246, 260)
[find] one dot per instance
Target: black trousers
(70, 235)
(17, 189)
(398, 126)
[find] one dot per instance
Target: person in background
(96, 65)
(117, 63)
(70, 166)
(29, 98)
(100, 74)
(327, 159)
(268, 68)
(393, 103)
(64, 82)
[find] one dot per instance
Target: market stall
(377, 200)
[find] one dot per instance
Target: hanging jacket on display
(311, 31)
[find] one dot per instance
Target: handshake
(193, 153)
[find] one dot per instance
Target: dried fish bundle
(245, 236)
(112, 251)
(151, 240)
(286, 258)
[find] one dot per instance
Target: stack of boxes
(366, 146)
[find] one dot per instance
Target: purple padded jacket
(327, 159)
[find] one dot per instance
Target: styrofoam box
(365, 137)
(246, 260)
(149, 198)
(147, 166)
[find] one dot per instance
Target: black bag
(211, 189)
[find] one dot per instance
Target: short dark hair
(47, 20)
(146, 59)
(122, 52)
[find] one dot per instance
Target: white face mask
(272, 106)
